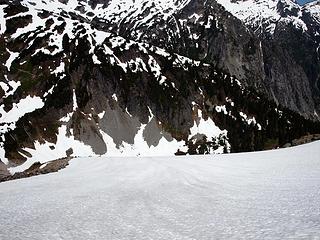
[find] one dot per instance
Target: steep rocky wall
(71, 84)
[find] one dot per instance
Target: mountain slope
(290, 39)
(265, 195)
(265, 15)
(134, 78)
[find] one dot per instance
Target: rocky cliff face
(289, 36)
(142, 78)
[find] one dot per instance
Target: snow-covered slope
(314, 9)
(290, 40)
(263, 195)
(264, 15)
(52, 24)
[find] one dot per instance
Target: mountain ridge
(187, 81)
(289, 34)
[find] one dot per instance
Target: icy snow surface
(263, 195)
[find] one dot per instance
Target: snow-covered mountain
(290, 39)
(314, 9)
(144, 78)
(264, 15)
(264, 195)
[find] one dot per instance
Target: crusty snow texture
(262, 195)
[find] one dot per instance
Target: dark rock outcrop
(188, 78)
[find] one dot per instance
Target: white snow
(221, 108)
(261, 14)
(95, 59)
(195, 16)
(50, 91)
(59, 69)
(12, 57)
(314, 9)
(2, 20)
(8, 119)
(137, 65)
(42, 152)
(114, 97)
(7, 85)
(210, 19)
(131, 10)
(155, 67)
(208, 128)
(230, 101)
(262, 195)
(74, 99)
(140, 146)
(184, 62)
(160, 51)
(36, 20)
(117, 41)
(25, 105)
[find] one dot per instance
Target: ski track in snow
(263, 195)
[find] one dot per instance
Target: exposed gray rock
(86, 131)
(164, 63)
(3, 171)
(153, 132)
(119, 125)
(38, 169)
